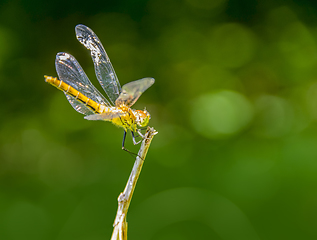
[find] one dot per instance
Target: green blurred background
(234, 102)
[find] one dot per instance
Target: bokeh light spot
(231, 45)
(182, 42)
(221, 114)
(311, 99)
(274, 116)
(297, 45)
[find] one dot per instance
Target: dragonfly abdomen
(68, 89)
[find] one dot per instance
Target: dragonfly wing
(133, 90)
(103, 67)
(108, 116)
(79, 106)
(70, 72)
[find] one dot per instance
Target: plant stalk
(120, 223)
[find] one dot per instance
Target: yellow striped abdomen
(96, 107)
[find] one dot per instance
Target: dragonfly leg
(133, 138)
(137, 135)
(140, 134)
(123, 141)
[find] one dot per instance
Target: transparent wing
(79, 106)
(108, 116)
(103, 67)
(70, 72)
(133, 90)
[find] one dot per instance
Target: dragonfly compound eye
(142, 117)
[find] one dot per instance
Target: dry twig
(120, 224)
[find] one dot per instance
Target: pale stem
(124, 199)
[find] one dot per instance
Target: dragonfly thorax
(142, 117)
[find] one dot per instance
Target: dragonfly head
(142, 117)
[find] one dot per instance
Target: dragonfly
(87, 100)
